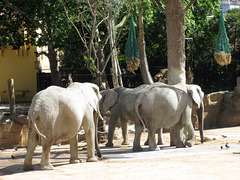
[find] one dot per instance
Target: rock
(19, 118)
(230, 114)
(212, 108)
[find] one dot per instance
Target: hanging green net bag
(132, 50)
(222, 47)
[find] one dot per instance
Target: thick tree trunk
(146, 75)
(175, 24)
(55, 75)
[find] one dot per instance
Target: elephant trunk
(96, 135)
(200, 112)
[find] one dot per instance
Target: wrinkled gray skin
(166, 106)
(120, 101)
(198, 109)
(56, 114)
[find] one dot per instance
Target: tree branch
(41, 53)
(118, 37)
(160, 5)
(189, 5)
(36, 23)
(75, 27)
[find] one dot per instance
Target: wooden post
(11, 94)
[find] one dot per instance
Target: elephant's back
(161, 104)
(56, 111)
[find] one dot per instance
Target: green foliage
(48, 16)
(204, 33)
(156, 40)
(15, 30)
(233, 28)
(201, 24)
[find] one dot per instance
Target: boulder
(230, 110)
(212, 108)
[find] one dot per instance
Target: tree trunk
(55, 75)
(146, 75)
(175, 24)
(101, 79)
(11, 95)
(115, 74)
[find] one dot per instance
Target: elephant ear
(95, 89)
(109, 98)
(196, 93)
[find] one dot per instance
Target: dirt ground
(202, 161)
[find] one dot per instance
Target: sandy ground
(202, 161)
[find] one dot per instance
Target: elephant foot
(109, 144)
(28, 167)
(137, 148)
(73, 161)
(189, 143)
(92, 159)
(154, 148)
(180, 145)
(47, 167)
(125, 143)
(160, 143)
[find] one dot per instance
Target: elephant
(199, 110)
(56, 114)
(165, 106)
(120, 101)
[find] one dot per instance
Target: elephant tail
(32, 118)
(137, 104)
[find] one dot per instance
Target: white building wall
(229, 4)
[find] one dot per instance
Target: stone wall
(13, 135)
(222, 109)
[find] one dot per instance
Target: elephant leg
(112, 125)
(125, 132)
(137, 137)
(45, 161)
(188, 125)
(176, 132)
(89, 129)
(173, 136)
(32, 143)
(152, 142)
(160, 138)
(96, 135)
(74, 150)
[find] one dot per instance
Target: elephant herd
(56, 114)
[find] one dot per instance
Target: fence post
(11, 94)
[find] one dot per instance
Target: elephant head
(92, 96)
(197, 97)
(109, 98)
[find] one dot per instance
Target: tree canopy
(58, 32)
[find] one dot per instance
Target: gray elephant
(198, 110)
(56, 114)
(120, 101)
(165, 106)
